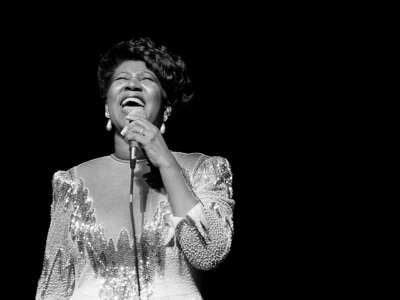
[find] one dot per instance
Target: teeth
(136, 101)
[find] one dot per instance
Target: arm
(57, 280)
(205, 234)
(180, 195)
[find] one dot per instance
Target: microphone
(132, 154)
(133, 146)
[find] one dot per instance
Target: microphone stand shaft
(133, 165)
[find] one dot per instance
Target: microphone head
(133, 113)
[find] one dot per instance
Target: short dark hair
(169, 68)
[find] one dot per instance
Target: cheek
(156, 97)
(155, 105)
(112, 92)
(153, 112)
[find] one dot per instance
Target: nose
(133, 85)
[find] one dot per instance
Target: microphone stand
(132, 156)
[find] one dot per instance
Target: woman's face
(134, 89)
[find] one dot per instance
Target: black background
(256, 78)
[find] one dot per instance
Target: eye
(121, 78)
(148, 77)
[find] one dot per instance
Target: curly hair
(169, 68)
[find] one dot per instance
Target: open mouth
(132, 102)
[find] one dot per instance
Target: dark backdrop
(56, 120)
(251, 73)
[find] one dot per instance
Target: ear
(167, 113)
(106, 110)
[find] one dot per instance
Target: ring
(141, 131)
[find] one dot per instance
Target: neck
(121, 148)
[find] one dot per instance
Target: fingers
(135, 131)
(142, 122)
(133, 127)
(137, 137)
(139, 126)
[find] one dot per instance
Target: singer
(140, 226)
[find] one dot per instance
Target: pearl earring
(109, 125)
(167, 112)
(162, 129)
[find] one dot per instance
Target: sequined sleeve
(57, 280)
(205, 234)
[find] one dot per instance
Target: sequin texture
(76, 241)
(117, 264)
(206, 240)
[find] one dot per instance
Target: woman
(180, 220)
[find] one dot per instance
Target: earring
(162, 129)
(109, 125)
(167, 112)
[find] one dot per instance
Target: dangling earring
(109, 124)
(162, 129)
(167, 112)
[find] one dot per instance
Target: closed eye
(148, 78)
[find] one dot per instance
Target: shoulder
(207, 172)
(189, 161)
(196, 161)
(81, 170)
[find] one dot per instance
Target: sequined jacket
(82, 262)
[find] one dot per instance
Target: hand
(150, 140)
